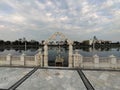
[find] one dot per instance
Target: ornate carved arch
(63, 37)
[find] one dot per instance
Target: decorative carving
(62, 37)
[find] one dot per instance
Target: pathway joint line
(19, 82)
(86, 82)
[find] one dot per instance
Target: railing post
(113, 61)
(96, 61)
(8, 58)
(77, 59)
(22, 58)
(81, 60)
(70, 59)
(45, 55)
(39, 59)
(36, 59)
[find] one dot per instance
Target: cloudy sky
(77, 19)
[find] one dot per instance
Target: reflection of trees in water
(63, 48)
(90, 49)
(19, 49)
(118, 49)
(2, 49)
(53, 52)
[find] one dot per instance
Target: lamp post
(25, 46)
(24, 39)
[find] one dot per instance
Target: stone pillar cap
(9, 54)
(76, 51)
(95, 55)
(39, 49)
(23, 54)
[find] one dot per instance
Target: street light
(24, 39)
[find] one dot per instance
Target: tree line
(22, 42)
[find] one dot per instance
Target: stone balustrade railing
(21, 60)
(78, 61)
(96, 62)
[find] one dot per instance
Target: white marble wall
(75, 60)
(22, 60)
(96, 62)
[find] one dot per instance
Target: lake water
(55, 51)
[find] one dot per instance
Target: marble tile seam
(86, 82)
(19, 82)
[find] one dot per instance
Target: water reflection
(85, 51)
(54, 52)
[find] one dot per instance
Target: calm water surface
(53, 52)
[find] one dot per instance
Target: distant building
(95, 40)
(90, 42)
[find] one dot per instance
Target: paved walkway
(18, 83)
(53, 78)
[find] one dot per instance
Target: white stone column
(45, 55)
(8, 58)
(38, 59)
(77, 59)
(41, 61)
(70, 61)
(96, 61)
(22, 59)
(81, 60)
(113, 61)
(74, 60)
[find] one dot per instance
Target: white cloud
(70, 16)
(93, 30)
(48, 14)
(64, 18)
(2, 26)
(85, 7)
(49, 3)
(17, 18)
(109, 3)
(40, 5)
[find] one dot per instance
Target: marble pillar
(22, 59)
(8, 58)
(113, 61)
(70, 61)
(45, 55)
(96, 61)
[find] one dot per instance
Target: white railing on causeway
(2, 57)
(104, 59)
(77, 61)
(118, 59)
(21, 60)
(15, 58)
(29, 58)
(88, 59)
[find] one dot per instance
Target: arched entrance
(70, 42)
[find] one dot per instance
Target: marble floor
(8, 76)
(54, 79)
(104, 80)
